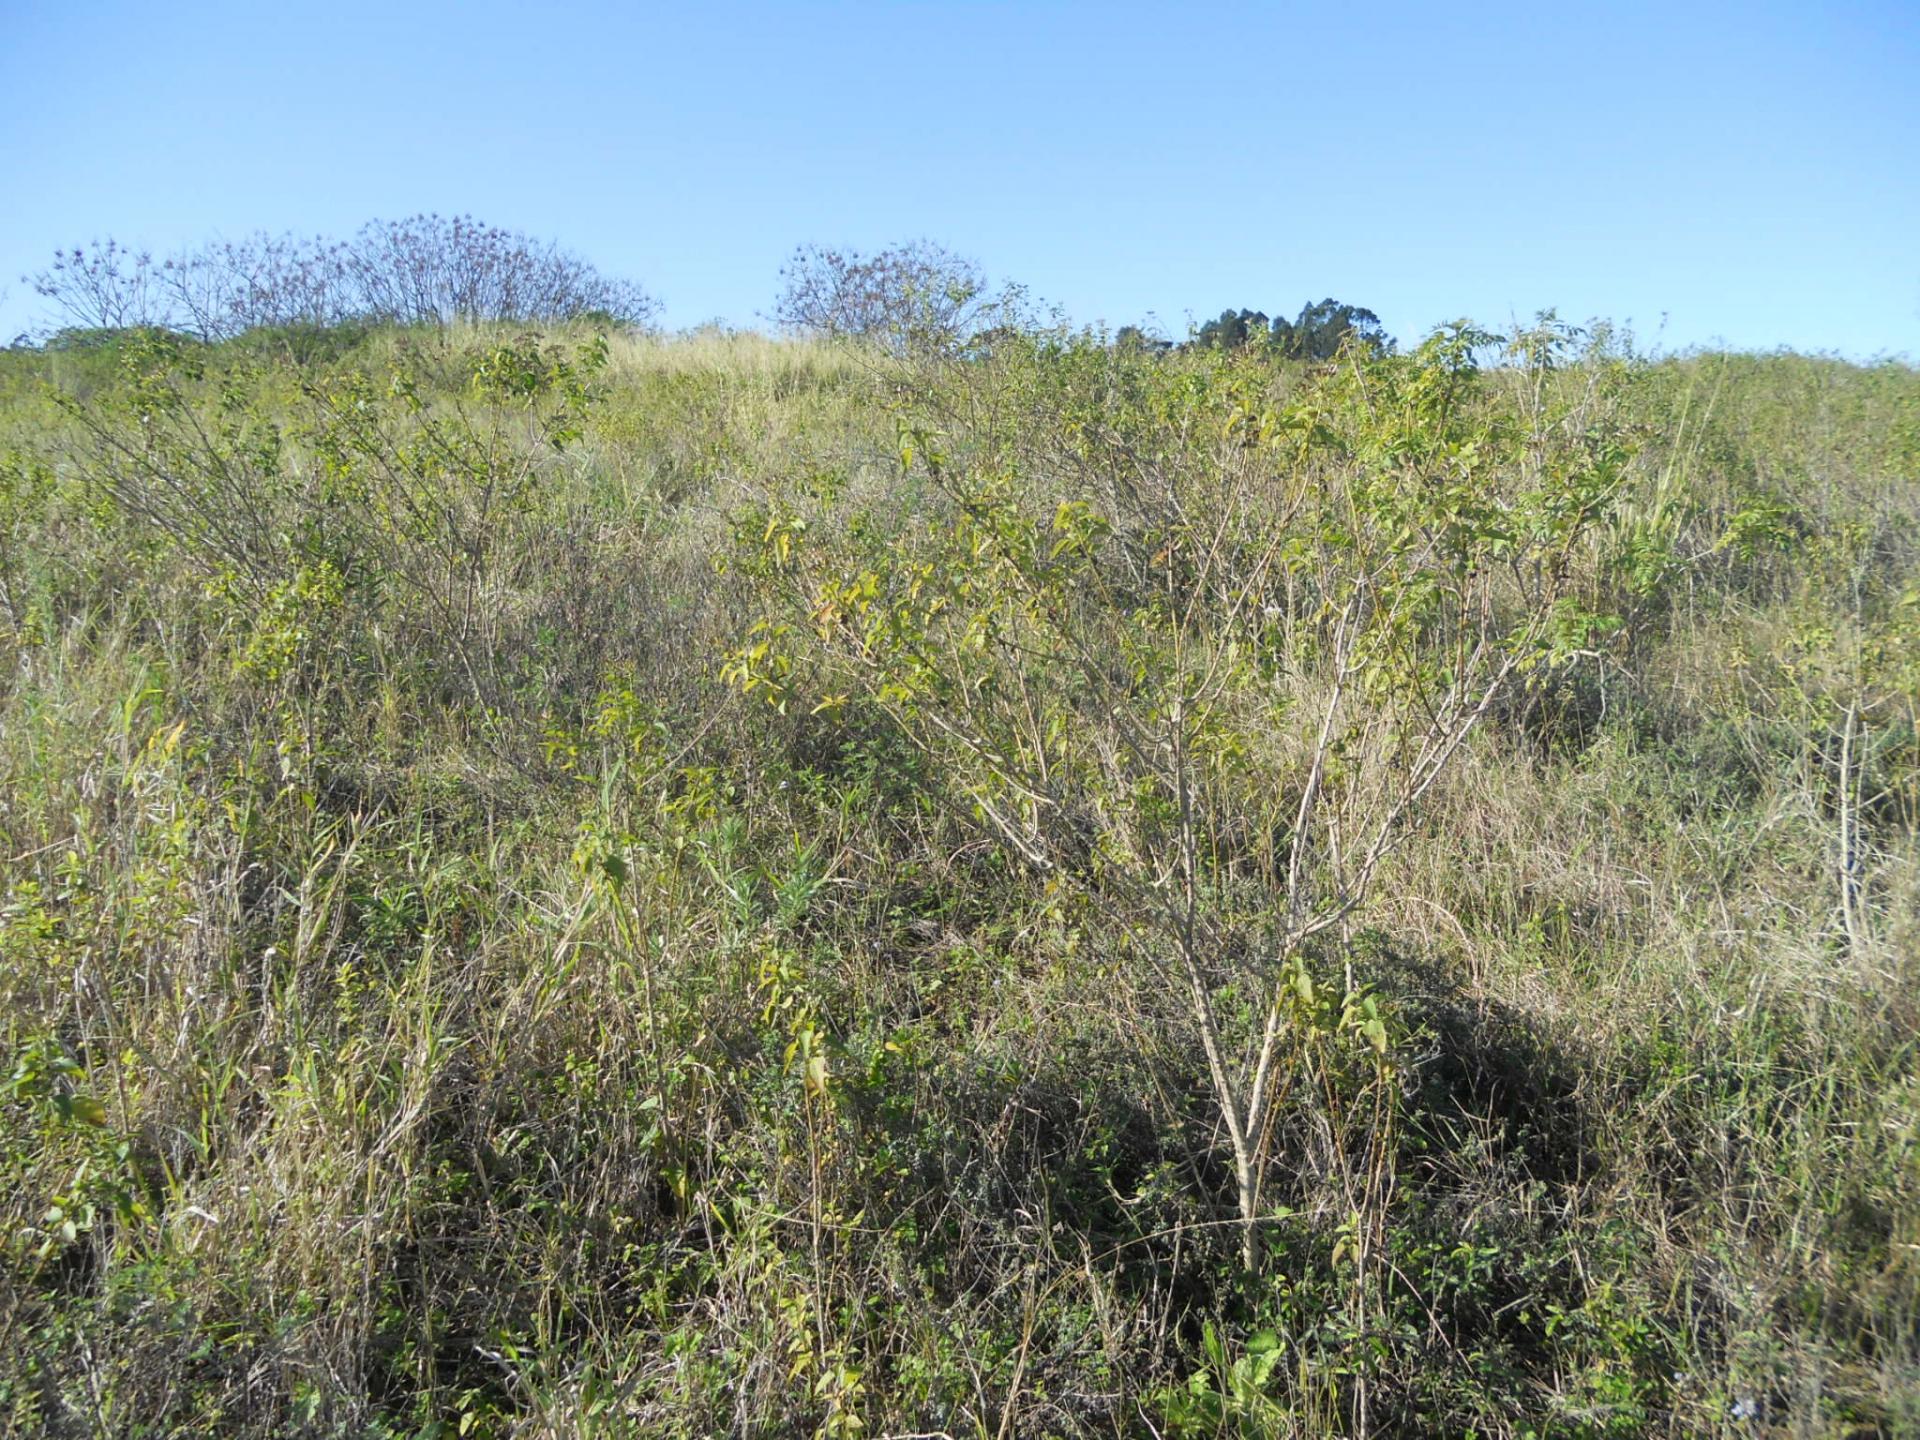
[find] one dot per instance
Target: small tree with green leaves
(1200, 655)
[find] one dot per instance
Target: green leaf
(87, 1110)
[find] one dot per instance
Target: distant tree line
(423, 270)
(1317, 333)
(913, 297)
(918, 295)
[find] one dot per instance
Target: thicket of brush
(568, 887)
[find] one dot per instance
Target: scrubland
(566, 886)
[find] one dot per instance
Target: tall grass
(437, 1000)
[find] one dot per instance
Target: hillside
(566, 885)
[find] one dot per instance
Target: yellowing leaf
(816, 1074)
(88, 1110)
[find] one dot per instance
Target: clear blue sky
(1750, 172)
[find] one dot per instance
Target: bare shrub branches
(423, 270)
(916, 296)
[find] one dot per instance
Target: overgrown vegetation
(568, 884)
